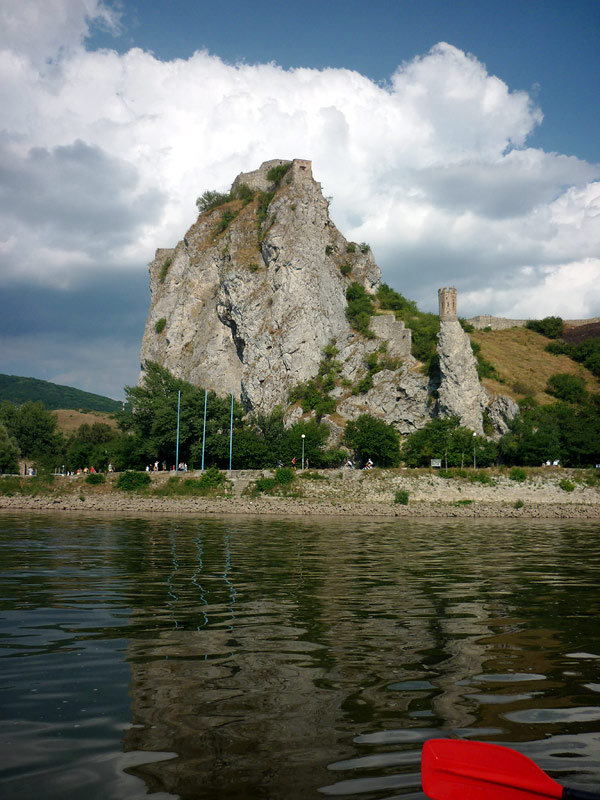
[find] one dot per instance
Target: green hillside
(19, 390)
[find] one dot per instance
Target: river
(244, 658)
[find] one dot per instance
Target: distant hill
(53, 396)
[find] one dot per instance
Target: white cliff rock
(256, 290)
(460, 393)
(252, 307)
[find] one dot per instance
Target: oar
(453, 769)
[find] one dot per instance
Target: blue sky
(460, 139)
(550, 48)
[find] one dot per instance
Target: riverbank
(543, 493)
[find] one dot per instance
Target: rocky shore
(342, 493)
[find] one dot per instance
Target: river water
(290, 658)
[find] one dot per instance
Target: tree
(35, 431)
(551, 327)
(369, 437)
(9, 452)
(447, 440)
(92, 445)
(153, 420)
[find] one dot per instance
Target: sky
(460, 139)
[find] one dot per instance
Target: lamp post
(474, 456)
(303, 438)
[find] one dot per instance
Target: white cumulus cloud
(102, 156)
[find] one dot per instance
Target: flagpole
(204, 428)
(177, 446)
(231, 433)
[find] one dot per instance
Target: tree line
(567, 430)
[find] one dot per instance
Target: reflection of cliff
(244, 713)
(268, 648)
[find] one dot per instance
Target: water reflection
(290, 659)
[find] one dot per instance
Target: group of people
(158, 467)
(368, 465)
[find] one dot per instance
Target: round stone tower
(447, 300)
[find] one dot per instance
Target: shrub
(160, 325)
(284, 475)
(329, 250)
(95, 478)
(569, 388)
(10, 485)
(364, 247)
(551, 327)
(586, 352)
(211, 199)
(351, 247)
(253, 267)
(212, 479)
(484, 368)
(244, 193)
(519, 504)
(401, 497)
(566, 485)
(133, 481)
(276, 174)
(360, 308)
(164, 269)
(365, 384)
(480, 477)
(517, 474)
(264, 198)
(281, 483)
(227, 218)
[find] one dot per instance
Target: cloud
(41, 31)
(102, 156)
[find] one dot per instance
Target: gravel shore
(342, 493)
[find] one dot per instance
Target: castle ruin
(447, 302)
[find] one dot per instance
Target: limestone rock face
(460, 393)
(500, 412)
(252, 306)
(402, 398)
(250, 297)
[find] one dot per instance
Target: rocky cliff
(255, 293)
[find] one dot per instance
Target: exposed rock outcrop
(256, 290)
(460, 393)
(252, 306)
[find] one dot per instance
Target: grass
(69, 420)
(520, 358)
(213, 482)
(313, 476)
(41, 484)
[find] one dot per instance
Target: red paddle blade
(460, 770)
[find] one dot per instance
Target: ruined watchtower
(447, 300)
